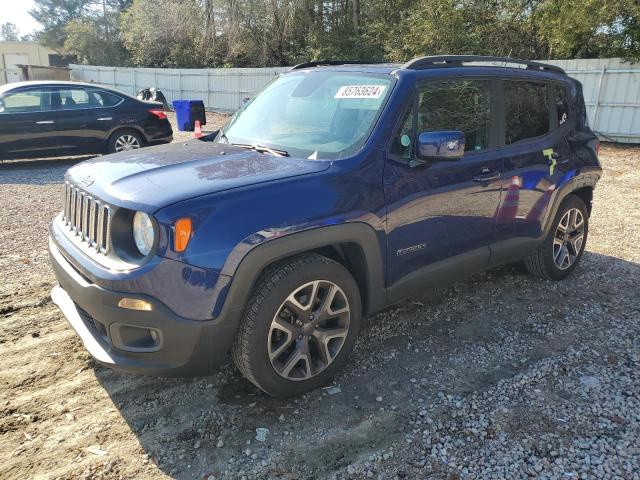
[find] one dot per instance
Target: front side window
(25, 101)
(526, 110)
(317, 115)
(463, 105)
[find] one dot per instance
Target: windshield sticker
(360, 91)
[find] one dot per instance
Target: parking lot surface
(500, 376)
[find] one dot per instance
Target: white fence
(611, 88)
(612, 94)
(220, 88)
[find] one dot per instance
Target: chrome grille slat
(86, 217)
(106, 230)
(66, 203)
(92, 222)
(77, 211)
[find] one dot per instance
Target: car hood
(151, 178)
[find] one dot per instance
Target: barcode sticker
(360, 91)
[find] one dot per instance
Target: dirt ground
(499, 376)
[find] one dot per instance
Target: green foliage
(8, 32)
(94, 42)
(591, 28)
(54, 15)
(163, 33)
(255, 33)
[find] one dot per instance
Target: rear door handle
(45, 122)
(486, 174)
(104, 119)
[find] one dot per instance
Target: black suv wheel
(561, 251)
(299, 326)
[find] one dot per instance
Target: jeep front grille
(87, 217)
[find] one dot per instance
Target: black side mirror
(443, 145)
(209, 137)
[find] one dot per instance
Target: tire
(123, 140)
(272, 351)
(548, 261)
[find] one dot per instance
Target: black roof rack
(439, 61)
(321, 63)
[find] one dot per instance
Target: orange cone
(508, 209)
(538, 208)
(197, 133)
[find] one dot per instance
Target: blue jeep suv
(338, 190)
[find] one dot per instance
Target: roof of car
(46, 83)
(432, 63)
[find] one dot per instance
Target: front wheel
(563, 247)
(299, 326)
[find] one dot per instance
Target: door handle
(45, 122)
(104, 119)
(486, 175)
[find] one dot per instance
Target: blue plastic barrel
(185, 110)
(183, 115)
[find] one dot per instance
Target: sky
(17, 11)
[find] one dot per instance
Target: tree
(95, 42)
(163, 33)
(255, 33)
(54, 15)
(8, 32)
(591, 28)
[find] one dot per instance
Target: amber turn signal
(135, 304)
(182, 234)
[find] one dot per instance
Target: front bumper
(155, 342)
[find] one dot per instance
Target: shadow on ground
(455, 341)
(37, 172)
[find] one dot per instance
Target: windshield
(316, 115)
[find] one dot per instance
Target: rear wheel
(299, 326)
(561, 251)
(124, 140)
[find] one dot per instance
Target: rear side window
(463, 105)
(526, 110)
(105, 99)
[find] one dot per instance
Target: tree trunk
(355, 12)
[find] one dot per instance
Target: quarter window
(463, 105)
(526, 110)
(403, 140)
(562, 105)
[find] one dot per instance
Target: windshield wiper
(263, 149)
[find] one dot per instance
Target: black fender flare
(586, 179)
(253, 263)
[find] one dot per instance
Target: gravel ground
(500, 376)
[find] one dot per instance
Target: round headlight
(143, 232)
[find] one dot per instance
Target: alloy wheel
(308, 330)
(568, 239)
(126, 142)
